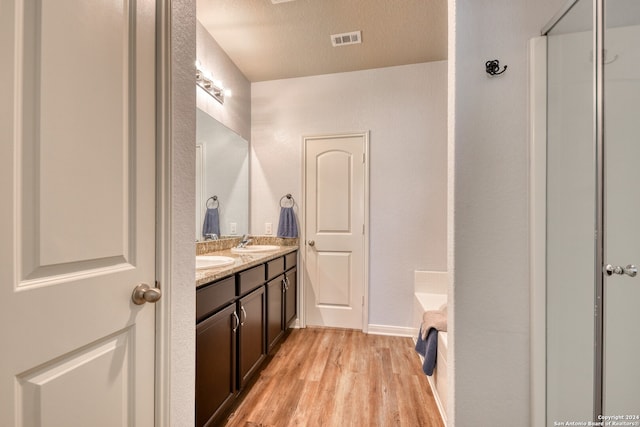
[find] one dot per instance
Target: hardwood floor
(329, 377)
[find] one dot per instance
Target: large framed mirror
(222, 170)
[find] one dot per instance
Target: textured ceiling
(276, 41)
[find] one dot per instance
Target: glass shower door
(621, 357)
(571, 217)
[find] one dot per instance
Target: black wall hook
(493, 67)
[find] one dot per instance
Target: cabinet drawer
(213, 296)
(290, 260)
(275, 267)
(250, 279)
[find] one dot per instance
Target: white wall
(177, 194)
(489, 319)
(405, 109)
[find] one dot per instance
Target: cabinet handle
(244, 314)
(286, 279)
(284, 285)
(235, 315)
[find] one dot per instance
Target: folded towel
(287, 226)
(211, 222)
(434, 319)
(428, 348)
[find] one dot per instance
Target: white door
(335, 179)
(77, 212)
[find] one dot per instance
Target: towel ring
(215, 200)
(290, 198)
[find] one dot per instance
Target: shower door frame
(538, 141)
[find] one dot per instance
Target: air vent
(344, 39)
(280, 1)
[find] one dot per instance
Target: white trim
(436, 396)
(163, 212)
(450, 410)
(303, 256)
(394, 331)
(201, 155)
(537, 221)
(365, 306)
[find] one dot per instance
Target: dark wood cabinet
(251, 349)
(215, 365)
(282, 295)
(239, 319)
(275, 291)
(290, 296)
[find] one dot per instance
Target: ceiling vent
(354, 37)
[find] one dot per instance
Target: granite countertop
(242, 262)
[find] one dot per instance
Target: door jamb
(538, 225)
(302, 244)
(163, 212)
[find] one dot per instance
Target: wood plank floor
(329, 377)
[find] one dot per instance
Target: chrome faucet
(210, 236)
(245, 241)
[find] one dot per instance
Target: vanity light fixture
(213, 88)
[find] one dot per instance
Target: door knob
(144, 293)
(629, 270)
(312, 243)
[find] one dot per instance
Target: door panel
(252, 312)
(275, 290)
(82, 378)
(334, 279)
(215, 364)
(290, 297)
(77, 125)
(334, 230)
(333, 183)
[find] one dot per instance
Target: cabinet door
(290, 297)
(215, 364)
(275, 290)
(252, 347)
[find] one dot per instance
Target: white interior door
(335, 230)
(77, 183)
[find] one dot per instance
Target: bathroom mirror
(222, 170)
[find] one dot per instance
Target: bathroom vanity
(242, 311)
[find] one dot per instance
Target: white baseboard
(397, 331)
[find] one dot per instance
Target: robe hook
(493, 67)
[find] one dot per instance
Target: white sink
(255, 248)
(213, 261)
